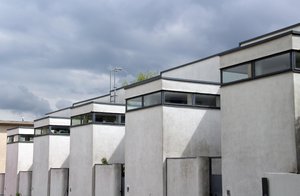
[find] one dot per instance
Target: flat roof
(15, 123)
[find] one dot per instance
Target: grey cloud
(20, 99)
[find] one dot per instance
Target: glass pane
(76, 120)
(87, 118)
(106, 118)
(45, 130)
(207, 100)
(38, 131)
(272, 64)
(152, 99)
(236, 73)
(26, 138)
(178, 98)
(298, 60)
(122, 119)
(10, 139)
(134, 103)
(16, 138)
(60, 130)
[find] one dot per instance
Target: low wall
(283, 184)
(108, 180)
(25, 183)
(187, 176)
(59, 181)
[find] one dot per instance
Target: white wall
(40, 166)
(11, 169)
(25, 178)
(144, 156)
(59, 181)
(204, 70)
(108, 180)
(283, 184)
(89, 144)
(258, 132)
(188, 177)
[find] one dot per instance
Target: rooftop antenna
(113, 72)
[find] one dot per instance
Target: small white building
(170, 120)
(97, 136)
(260, 97)
(19, 158)
(51, 150)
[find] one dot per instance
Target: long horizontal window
(20, 138)
(236, 73)
(260, 67)
(272, 64)
(175, 98)
(52, 130)
(297, 56)
(98, 118)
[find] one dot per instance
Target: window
(134, 103)
(236, 73)
(122, 119)
(178, 98)
(87, 118)
(10, 139)
(272, 64)
(76, 120)
(57, 130)
(152, 99)
(26, 138)
(207, 100)
(297, 56)
(106, 118)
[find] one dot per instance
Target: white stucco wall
(61, 113)
(108, 180)
(25, 178)
(89, 144)
(283, 184)
(50, 151)
(258, 132)
(258, 51)
(11, 169)
(52, 121)
(59, 181)
(205, 70)
(144, 156)
(188, 177)
(40, 166)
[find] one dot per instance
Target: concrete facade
(283, 184)
(50, 151)
(19, 157)
(90, 143)
(188, 176)
(4, 125)
(59, 181)
(260, 120)
(25, 179)
(156, 133)
(108, 179)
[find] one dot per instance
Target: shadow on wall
(118, 156)
(206, 139)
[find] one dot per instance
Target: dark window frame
(292, 67)
(49, 128)
(19, 136)
(118, 117)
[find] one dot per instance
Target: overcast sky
(55, 52)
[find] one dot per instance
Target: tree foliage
(141, 76)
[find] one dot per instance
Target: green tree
(141, 76)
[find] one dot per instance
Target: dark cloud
(63, 50)
(20, 99)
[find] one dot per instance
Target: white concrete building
(97, 136)
(174, 115)
(260, 98)
(51, 150)
(19, 157)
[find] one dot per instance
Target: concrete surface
(24, 185)
(2, 180)
(283, 184)
(258, 132)
(188, 177)
(59, 179)
(108, 180)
